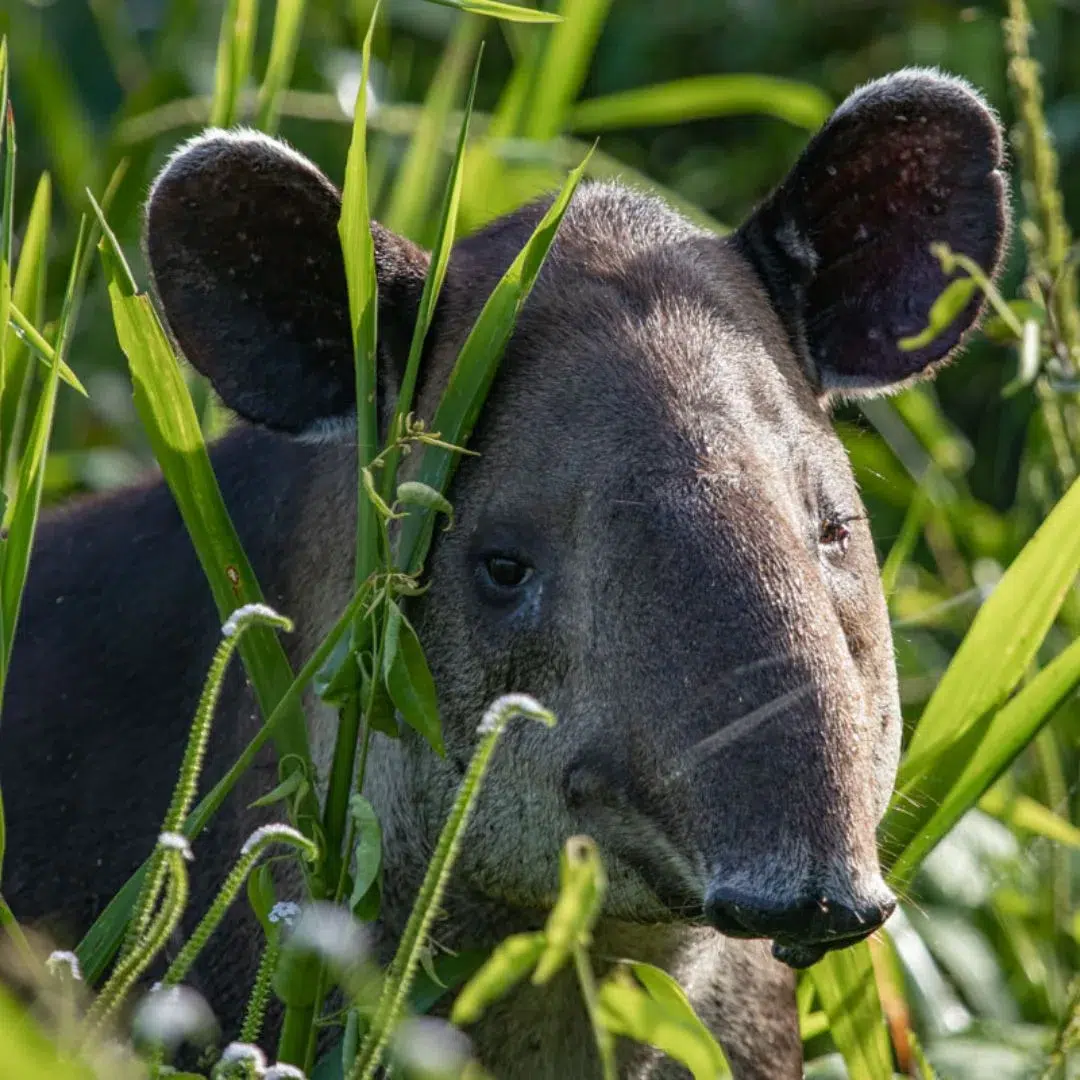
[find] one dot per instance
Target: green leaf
(705, 97)
(848, 992)
(1021, 812)
(367, 853)
(509, 963)
(496, 10)
(164, 405)
(476, 366)
(236, 45)
(952, 301)
(564, 64)
(338, 681)
(408, 679)
(664, 1020)
(998, 329)
(415, 181)
(433, 282)
(1004, 636)
(414, 493)
(582, 885)
(261, 894)
(932, 797)
(288, 23)
(283, 791)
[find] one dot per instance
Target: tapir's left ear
(843, 245)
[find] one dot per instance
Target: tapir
(659, 537)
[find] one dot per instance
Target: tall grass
(993, 733)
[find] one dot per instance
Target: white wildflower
(61, 962)
(171, 1015)
(244, 614)
(276, 831)
(238, 1053)
(510, 704)
(430, 1047)
(284, 911)
(175, 841)
(284, 1072)
(333, 933)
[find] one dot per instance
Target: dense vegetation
(709, 102)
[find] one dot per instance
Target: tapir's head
(661, 538)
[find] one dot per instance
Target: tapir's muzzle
(806, 928)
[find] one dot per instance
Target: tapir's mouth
(804, 954)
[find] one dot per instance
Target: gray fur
(656, 448)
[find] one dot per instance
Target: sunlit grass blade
(705, 97)
(1004, 637)
(288, 22)
(564, 66)
(413, 187)
(848, 992)
(928, 804)
(497, 10)
(7, 212)
(27, 296)
(358, 250)
(433, 283)
(476, 366)
(164, 405)
(22, 512)
(1024, 814)
(236, 45)
(27, 334)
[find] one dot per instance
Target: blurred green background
(958, 470)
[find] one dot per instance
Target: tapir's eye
(835, 535)
(502, 575)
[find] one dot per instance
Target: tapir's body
(660, 539)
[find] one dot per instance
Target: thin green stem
(605, 1044)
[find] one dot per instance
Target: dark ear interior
(843, 245)
(242, 242)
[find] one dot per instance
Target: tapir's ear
(843, 245)
(242, 242)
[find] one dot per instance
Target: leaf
(476, 366)
(846, 987)
(932, 798)
(998, 329)
(408, 679)
(665, 1022)
(261, 894)
(705, 97)
(338, 681)
(164, 406)
(497, 10)
(283, 791)
(581, 892)
(945, 309)
(414, 493)
(1004, 636)
(367, 853)
(1021, 812)
(288, 23)
(413, 186)
(510, 962)
(236, 45)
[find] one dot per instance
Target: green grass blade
(164, 405)
(848, 991)
(27, 296)
(28, 334)
(413, 187)
(433, 283)
(564, 66)
(7, 213)
(236, 45)
(22, 512)
(966, 768)
(288, 22)
(476, 366)
(358, 249)
(1004, 637)
(705, 97)
(497, 10)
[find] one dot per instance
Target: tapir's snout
(807, 925)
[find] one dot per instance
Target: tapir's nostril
(812, 922)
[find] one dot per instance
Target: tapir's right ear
(242, 242)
